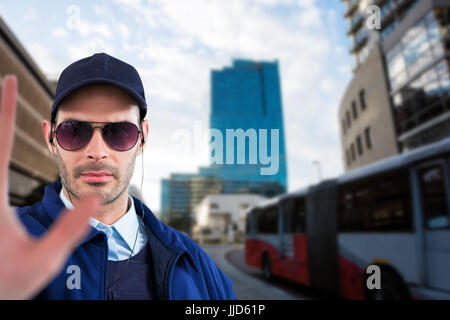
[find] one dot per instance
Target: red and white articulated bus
(393, 214)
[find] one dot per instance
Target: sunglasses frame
(93, 130)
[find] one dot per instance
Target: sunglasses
(74, 135)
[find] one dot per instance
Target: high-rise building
(246, 108)
(398, 98)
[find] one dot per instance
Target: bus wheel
(267, 269)
(392, 288)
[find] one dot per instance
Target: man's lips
(96, 173)
(96, 176)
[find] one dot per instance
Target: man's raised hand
(27, 264)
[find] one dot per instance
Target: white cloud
(47, 61)
(124, 31)
(59, 33)
(87, 29)
(100, 10)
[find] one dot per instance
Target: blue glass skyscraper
(247, 96)
(246, 121)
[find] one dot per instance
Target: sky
(174, 45)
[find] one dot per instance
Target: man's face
(99, 103)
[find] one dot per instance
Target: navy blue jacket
(181, 269)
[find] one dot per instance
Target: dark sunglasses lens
(73, 135)
(121, 136)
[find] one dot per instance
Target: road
(248, 281)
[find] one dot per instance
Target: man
(96, 131)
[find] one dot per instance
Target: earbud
(50, 140)
(142, 132)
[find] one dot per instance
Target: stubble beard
(121, 182)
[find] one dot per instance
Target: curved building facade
(366, 123)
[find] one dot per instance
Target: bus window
(298, 215)
(345, 209)
(392, 210)
(268, 220)
(378, 203)
(294, 215)
(434, 203)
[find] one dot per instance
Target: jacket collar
(169, 240)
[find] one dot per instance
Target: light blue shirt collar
(121, 234)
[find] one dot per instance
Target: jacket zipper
(168, 280)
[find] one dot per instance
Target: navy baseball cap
(100, 68)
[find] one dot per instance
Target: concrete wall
(31, 164)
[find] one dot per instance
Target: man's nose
(97, 148)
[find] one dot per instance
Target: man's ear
(144, 128)
(50, 140)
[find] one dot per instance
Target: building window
(387, 9)
(362, 99)
(388, 30)
(425, 94)
(349, 121)
(343, 126)
(214, 206)
(359, 145)
(354, 110)
(419, 47)
(244, 206)
(368, 138)
(360, 36)
(356, 19)
(347, 154)
(352, 149)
